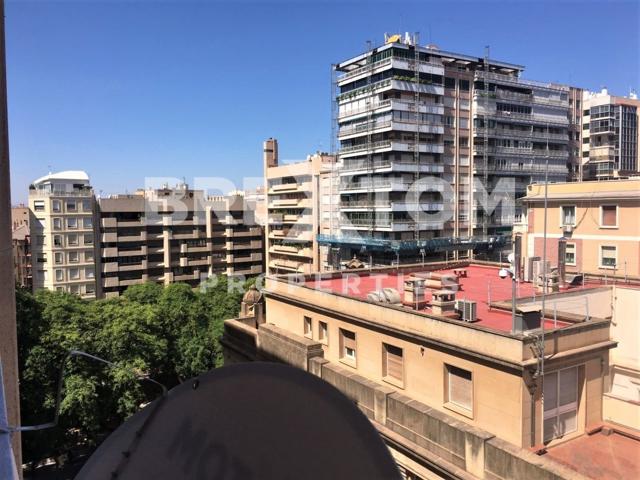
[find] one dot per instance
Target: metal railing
(366, 146)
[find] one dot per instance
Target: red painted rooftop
(475, 286)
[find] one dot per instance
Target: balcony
(363, 147)
(513, 133)
(251, 232)
(142, 236)
(291, 250)
(393, 206)
(479, 75)
(371, 106)
(388, 225)
(479, 150)
(381, 166)
(292, 235)
(285, 187)
(376, 185)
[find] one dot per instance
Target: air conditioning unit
(466, 309)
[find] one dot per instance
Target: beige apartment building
(63, 239)
(21, 241)
(610, 135)
(297, 195)
(600, 221)
(456, 393)
(171, 235)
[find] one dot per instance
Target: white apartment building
(610, 135)
(416, 126)
(62, 207)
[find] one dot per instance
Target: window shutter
(609, 216)
(460, 387)
(348, 339)
(393, 361)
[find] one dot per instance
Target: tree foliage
(169, 334)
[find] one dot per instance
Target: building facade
(63, 233)
(610, 135)
(295, 206)
(21, 240)
(447, 395)
(171, 235)
(418, 125)
(600, 221)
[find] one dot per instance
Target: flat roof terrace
(481, 285)
(601, 456)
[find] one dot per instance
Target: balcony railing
(366, 146)
(517, 80)
(506, 132)
(366, 108)
(479, 149)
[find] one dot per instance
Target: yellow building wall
(497, 395)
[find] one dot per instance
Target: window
(392, 362)
(87, 222)
(38, 205)
(89, 273)
(72, 239)
(608, 254)
(464, 85)
(308, 328)
(449, 82)
(57, 224)
(57, 241)
(464, 142)
(71, 206)
(570, 254)
(72, 223)
(86, 205)
(347, 345)
(88, 256)
(609, 216)
(560, 403)
(88, 239)
(58, 258)
(74, 289)
(59, 275)
(74, 273)
(459, 388)
(90, 289)
(55, 206)
(568, 215)
(464, 123)
(74, 257)
(323, 332)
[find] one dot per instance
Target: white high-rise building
(62, 207)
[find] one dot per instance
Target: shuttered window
(608, 256)
(392, 362)
(347, 345)
(323, 332)
(308, 329)
(460, 387)
(560, 403)
(609, 216)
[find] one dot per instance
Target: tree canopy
(169, 334)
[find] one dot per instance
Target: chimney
(270, 153)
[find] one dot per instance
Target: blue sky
(135, 89)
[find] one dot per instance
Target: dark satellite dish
(245, 421)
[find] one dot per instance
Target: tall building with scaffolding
(416, 126)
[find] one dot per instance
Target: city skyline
(121, 127)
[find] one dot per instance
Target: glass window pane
(550, 391)
(568, 386)
(567, 423)
(550, 428)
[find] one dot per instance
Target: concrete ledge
(505, 461)
(275, 343)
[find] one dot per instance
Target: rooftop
(482, 285)
(600, 456)
(67, 175)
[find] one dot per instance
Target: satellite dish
(245, 421)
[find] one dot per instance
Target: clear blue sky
(132, 89)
